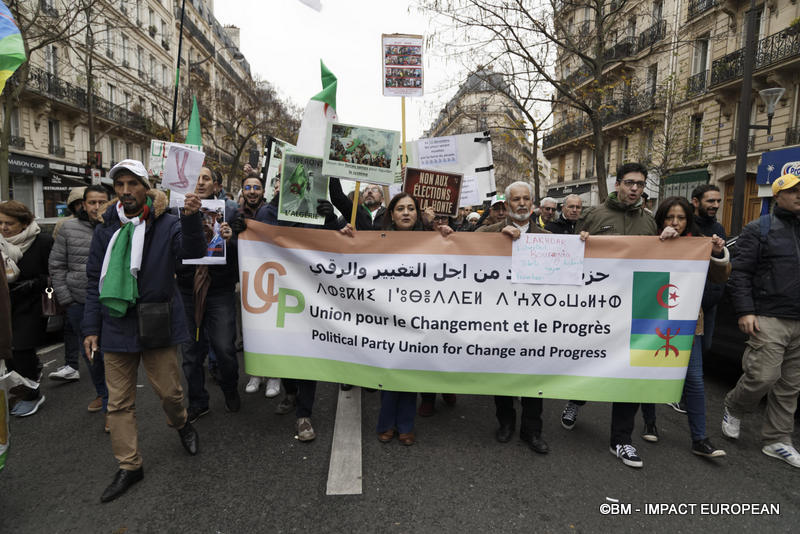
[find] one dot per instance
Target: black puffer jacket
(713, 291)
(765, 277)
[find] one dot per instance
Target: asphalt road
(252, 475)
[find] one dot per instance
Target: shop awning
(776, 163)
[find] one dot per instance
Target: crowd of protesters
(116, 269)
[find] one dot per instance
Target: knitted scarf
(13, 248)
(118, 286)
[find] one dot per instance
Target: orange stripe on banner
(467, 243)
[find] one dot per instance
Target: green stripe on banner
(652, 342)
(547, 386)
(645, 295)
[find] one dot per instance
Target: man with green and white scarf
(131, 264)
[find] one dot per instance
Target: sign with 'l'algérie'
(413, 311)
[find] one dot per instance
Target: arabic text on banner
(412, 311)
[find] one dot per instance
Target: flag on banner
(321, 110)
(194, 136)
(662, 331)
(12, 50)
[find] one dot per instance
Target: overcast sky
(283, 40)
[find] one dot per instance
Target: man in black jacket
(570, 213)
(765, 290)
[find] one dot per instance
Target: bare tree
(528, 37)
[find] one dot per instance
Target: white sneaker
(273, 387)
(253, 385)
(65, 374)
(730, 424)
(784, 452)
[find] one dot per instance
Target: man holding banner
(519, 201)
(622, 213)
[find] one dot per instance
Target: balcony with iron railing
(623, 48)
(697, 7)
(769, 50)
(195, 32)
(16, 142)
(51, 86)
(56, 150)
(751, 145)
(792, 136)
(697, 83)
(627, 107)
(580, 76)
(652, 35)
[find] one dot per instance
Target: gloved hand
(239, 224)
(324, 208)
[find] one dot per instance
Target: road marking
(45, 350)
(344, 471)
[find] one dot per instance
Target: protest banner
(547, 259)
(438, 190)
(413, 311)
(159, 150)
(182, 169)
(361, 153)
(213, 212)
(403, 73)
(469, 154)
(302, 185)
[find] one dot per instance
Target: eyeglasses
(631, 183)
(252, 188)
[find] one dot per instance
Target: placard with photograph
(159, 150)
(437, 189)
(362, 153)
(402, 65)
(273, 152)
(213, 212)
(302, 185)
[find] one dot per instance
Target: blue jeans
(218, 329)
(397, 411)
(694, 391)
(73, 346)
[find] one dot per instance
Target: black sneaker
(233, 402)
(628, 455)
(569, 415)
(704, 447)
(650, 433)
(193, 414)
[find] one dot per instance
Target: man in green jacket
(623, 213)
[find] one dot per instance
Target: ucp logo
(267, 292)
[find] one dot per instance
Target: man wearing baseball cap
(134, 310)
(765, 290)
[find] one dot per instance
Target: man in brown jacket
(519, 207)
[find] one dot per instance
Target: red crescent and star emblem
(672, 299)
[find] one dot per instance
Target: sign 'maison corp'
(413, 311)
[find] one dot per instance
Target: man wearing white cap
(765, 290)
(134, 310)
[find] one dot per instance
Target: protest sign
(379, 310)
(182, 169)
(469, 154)
(361, 153)
(402, 65)
(213, 212)
(438, 190)
(547, 259)
(273, 153)
(302, 184)
(158, 156)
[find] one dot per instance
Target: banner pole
(355, 205)
(403, 113)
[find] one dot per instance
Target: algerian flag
(298, 182)
(353, 145)
(194, 136)
(664, 316)
(12, 49)
(319, 112)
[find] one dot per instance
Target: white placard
(213, 212)
(547, 259)
(402, 65)
(437, 151)
(158, 156)
(182, 169)
(469, 192)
